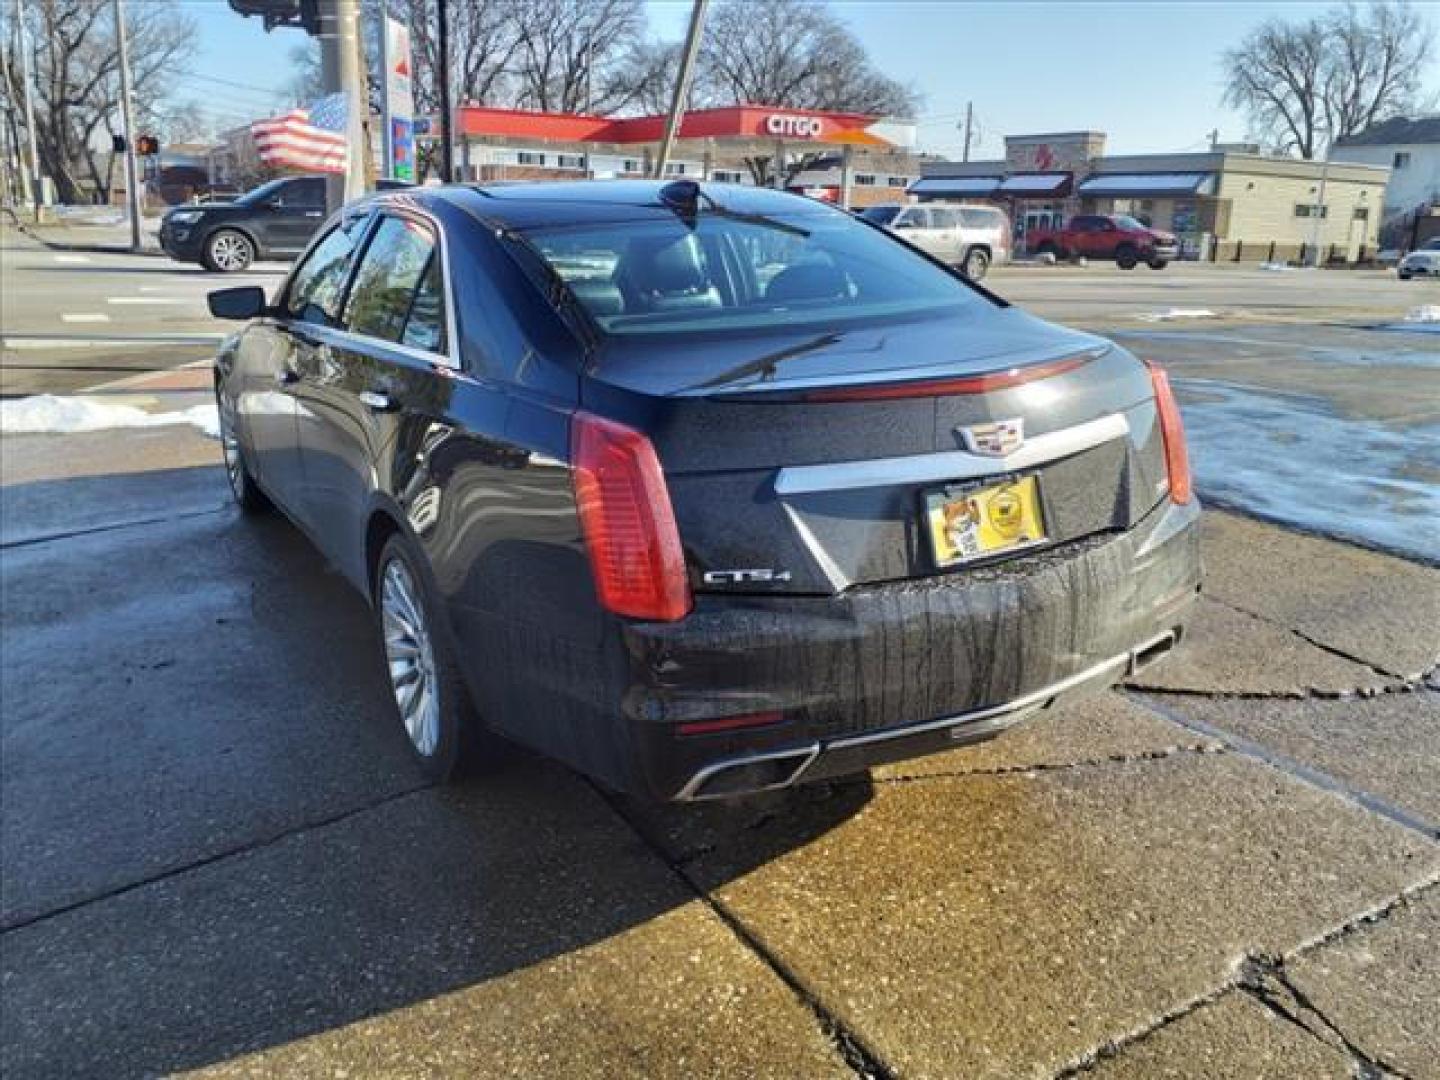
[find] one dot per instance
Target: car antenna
(683, 196)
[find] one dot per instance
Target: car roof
(544, 203)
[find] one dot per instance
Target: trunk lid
(777, 487)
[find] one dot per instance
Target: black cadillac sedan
(704, 490)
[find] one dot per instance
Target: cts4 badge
(996, 439)
(745, 577)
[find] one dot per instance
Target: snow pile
(50, 414)
(1425, 313)
(1170, 314)
(1274, 266)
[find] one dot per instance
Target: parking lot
(218, 857)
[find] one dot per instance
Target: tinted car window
(425, 328)
(317, 288)
(718, 272)
(309, 192)
(393, 266)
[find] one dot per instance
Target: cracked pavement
(217, 857)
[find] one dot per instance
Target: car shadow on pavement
(214, 839)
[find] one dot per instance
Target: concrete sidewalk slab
(515, 927)
(105, 481)
(1388, 746)
(1233, 1036)
(1380, 986)
(1230, 652)
(1375, 608)
(1007, 926)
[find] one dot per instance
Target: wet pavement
(218, 857)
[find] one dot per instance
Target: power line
(270, 92)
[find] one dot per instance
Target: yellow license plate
(975, 523)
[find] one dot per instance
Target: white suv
(1424, 261)
(971, 237)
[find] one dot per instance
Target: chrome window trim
(376, 209)
(949, 465)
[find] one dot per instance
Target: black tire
(1126, 257)
(1048, 248)
(1157, 264)
(243, 487)
(976, 263)
(1403, 275)
(457, 735)
(227, 251)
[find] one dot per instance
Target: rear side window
(397, 294)
(942, 217)
(318, 286)
(976, 217)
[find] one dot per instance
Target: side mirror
(241, 303)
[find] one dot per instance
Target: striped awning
(1126, 185)
(945, 187)
(1036, 185)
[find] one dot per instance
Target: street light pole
(682, 86)
(340, 68)
(127, 119)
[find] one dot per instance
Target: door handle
(376, 400)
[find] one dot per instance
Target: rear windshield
(721, 271)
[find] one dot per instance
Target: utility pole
(127, 120)
(340, 66)
(447, 133)
(37, 189)
(969, 121)
(1319, 211)
(682, 85)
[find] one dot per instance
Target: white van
(971, 237)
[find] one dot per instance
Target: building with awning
(851, 158)
(1260, 205)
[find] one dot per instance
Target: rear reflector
(1177, 457)
(1005, 379)
(729, 723)
(629, 526)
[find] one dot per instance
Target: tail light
(627, 520)
(1177, 457)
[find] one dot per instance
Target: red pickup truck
(1106, 236)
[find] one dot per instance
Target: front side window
(914, 218)
(317, 288)
(395, 285)
(720, 272)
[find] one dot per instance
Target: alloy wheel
(410, 657)
(230, 447)
(230, 252)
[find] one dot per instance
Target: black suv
(275, 220)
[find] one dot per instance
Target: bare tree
(1305, 84)
(572, 54)
(796, 54)
(1377, 58)
(77, 84)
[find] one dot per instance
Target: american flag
(312, 138)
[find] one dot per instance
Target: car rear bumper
(888, 672)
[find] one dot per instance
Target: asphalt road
(215, 855)
(70, 320)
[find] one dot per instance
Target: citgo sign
(803, 127)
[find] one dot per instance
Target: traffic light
(301, 13)
(147, 146)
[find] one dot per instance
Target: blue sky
(1146, 72)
